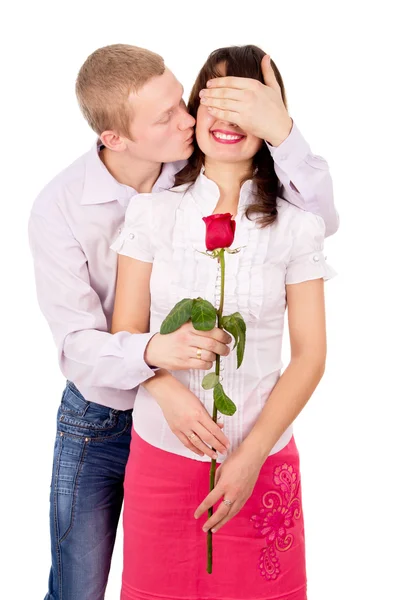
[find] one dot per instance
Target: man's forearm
(106, 360)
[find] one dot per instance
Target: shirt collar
(206, 193)
(100, 186)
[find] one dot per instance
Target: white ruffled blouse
(167, 230)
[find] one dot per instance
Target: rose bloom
(220, 231)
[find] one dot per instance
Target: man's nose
(187, 121)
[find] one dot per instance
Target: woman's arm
(132, 299)
(183, 411)
(237, 476)
(307, 330)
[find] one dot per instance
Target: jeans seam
(114, 424)
(56, 528)
(74, 495)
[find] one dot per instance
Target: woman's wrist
(255, 448)
(163, 385)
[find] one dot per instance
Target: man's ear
(113, 141)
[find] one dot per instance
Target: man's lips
(223, 136)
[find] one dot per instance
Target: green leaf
(223, 404)
(236, 326)
(230, 325)
(203, 315)
(178, 315)
(210, 381)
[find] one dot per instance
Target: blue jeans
(90, 456)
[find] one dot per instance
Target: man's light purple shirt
(72, 225)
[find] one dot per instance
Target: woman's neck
(228, 177)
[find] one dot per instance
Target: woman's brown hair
(239, 61)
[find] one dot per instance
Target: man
(134, 104)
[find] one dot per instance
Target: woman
(259, 543)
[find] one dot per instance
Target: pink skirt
(258, 555)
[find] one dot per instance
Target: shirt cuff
(134, 358)
(291, 152)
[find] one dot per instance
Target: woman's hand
(186, 416)
(234, 482)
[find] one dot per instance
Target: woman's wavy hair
(239, 61)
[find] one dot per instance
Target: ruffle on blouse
(196, 274)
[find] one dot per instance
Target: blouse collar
(206, 193)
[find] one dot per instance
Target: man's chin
(184, 155)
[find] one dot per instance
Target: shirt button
(131, 236)
(120, 230)
(315, 258)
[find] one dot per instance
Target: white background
(339, 64)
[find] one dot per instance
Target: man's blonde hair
(106, 80)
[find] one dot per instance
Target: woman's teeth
(224, 136)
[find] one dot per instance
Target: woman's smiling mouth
(226, 137)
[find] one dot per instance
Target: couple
(234, 150)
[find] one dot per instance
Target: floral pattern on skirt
(276, 517)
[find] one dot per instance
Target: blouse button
(315, 258)
(120, 230)
(131, 236)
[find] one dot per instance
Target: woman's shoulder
(296, 220)
(155, 204)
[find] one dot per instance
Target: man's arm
(86, 349)
(305, 178)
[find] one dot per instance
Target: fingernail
(213, 530)
(203, 100)
(201, 93)
(209, 83)
(215, 456)
(205, 529)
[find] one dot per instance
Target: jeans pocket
(73, 402)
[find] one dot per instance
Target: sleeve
(307, 260)
(134, 237)
(305, 179)
(86, 350)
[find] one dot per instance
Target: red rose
(220, 231)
